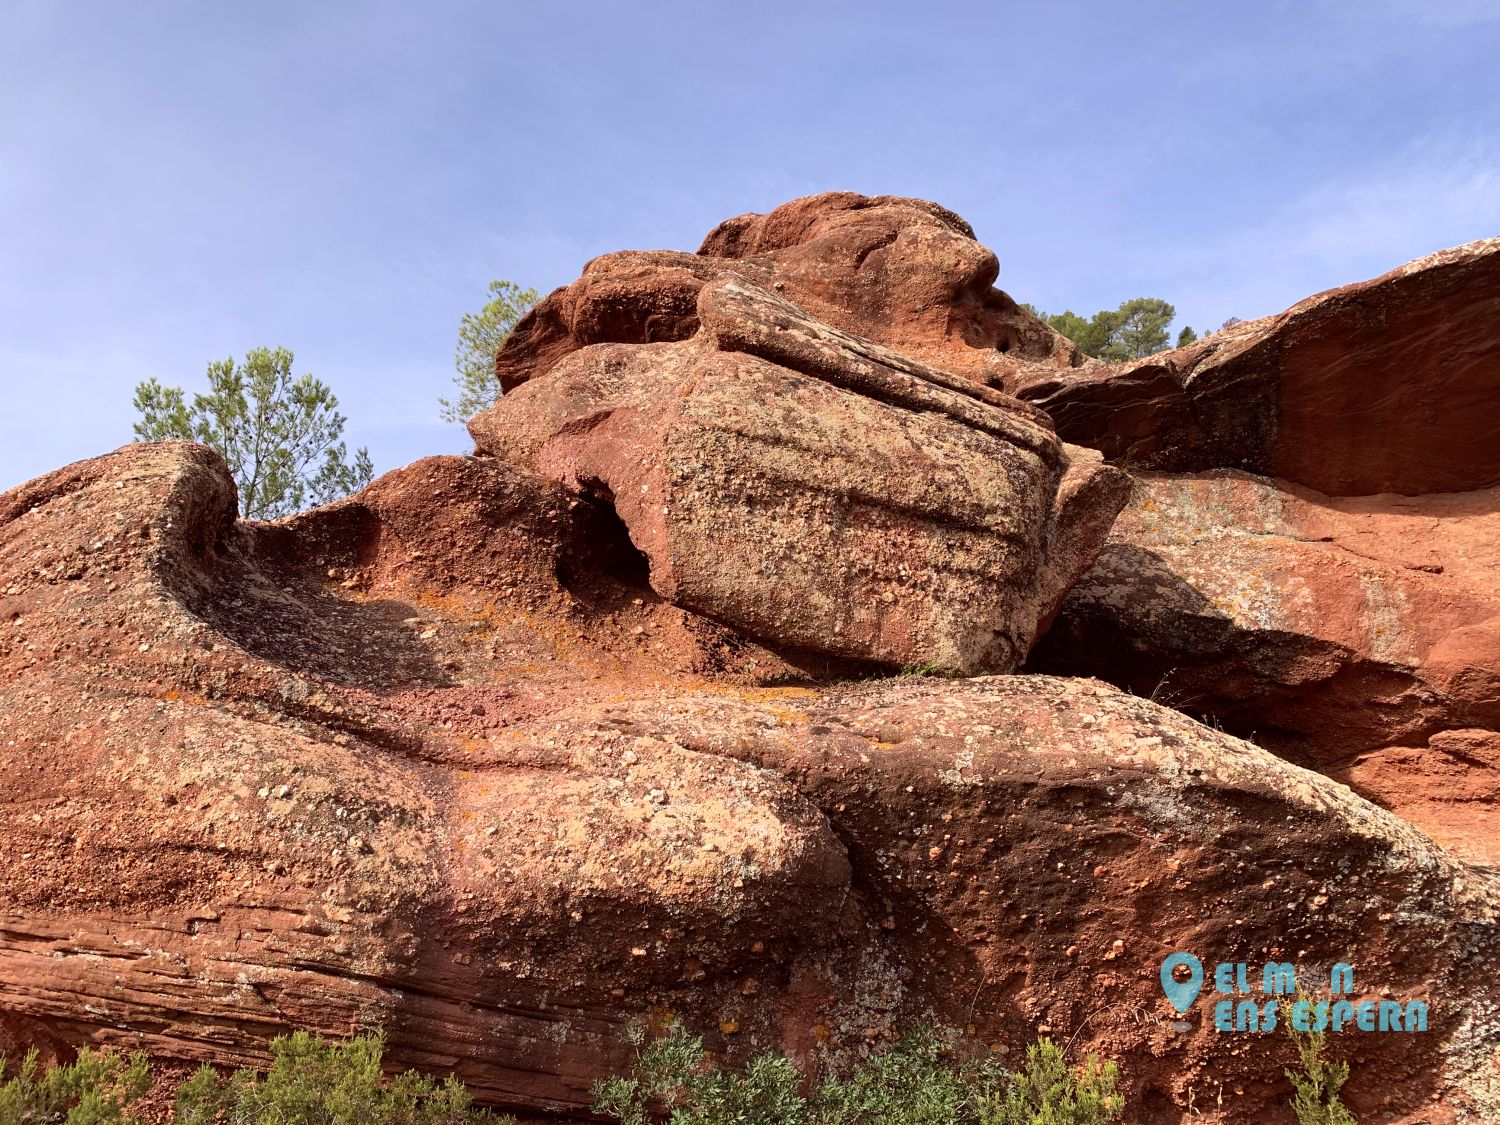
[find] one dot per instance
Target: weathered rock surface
(499, 754)
(1385, 386)
(215, 829)
(265, 786)
(808, 486)
(901, 272)
(1360, 635)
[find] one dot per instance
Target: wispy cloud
(1425, 197)
(1431, 200)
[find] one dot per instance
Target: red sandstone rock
(1345, 633)
(258, 781)
(1390, 385)
(242, 793)
(442, 758)
(806, 486)
(901, 272)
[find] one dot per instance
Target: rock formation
(1273, 608)
(1386, 386)
(506, 751)
(1270, 605)
(810, 487)
(901, 272)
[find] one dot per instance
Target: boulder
(1385, 386)
(901, 272)
(809, 487)
(1360, 635)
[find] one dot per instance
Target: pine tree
(479, 338)
(279, 434)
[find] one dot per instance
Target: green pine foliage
(479, 338)
(316, 1082)
(919, 1081)
(1136, 329)
(1047, 1091)
(279, 434)
(1315, 1088)
(97, 1089)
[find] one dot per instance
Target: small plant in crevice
(1317, 1082)
(919, 669)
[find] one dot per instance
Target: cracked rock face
(811, 487)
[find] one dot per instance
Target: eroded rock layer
(1347, 633)
(1385, 386)
(901, 272)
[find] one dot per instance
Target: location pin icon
(1181, 993)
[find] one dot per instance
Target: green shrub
(315, 1082)
(1049, 1092)
(913, 1083)
(95, 1090)
(673, 1072)
(916, 1082)
(920, 669)
(1315, 1091)
(312, 1081)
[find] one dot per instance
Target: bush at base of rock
(916, 1082)
(1317, 1081)
(922, 1080)
(315, 1082)
(311, 1082)
(95, 1090)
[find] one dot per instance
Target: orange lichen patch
(176, 695)
(755, 694)
(661, 1019)
(764, 695)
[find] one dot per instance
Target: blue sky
(181, 181)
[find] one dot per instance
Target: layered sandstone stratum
(508, 750)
